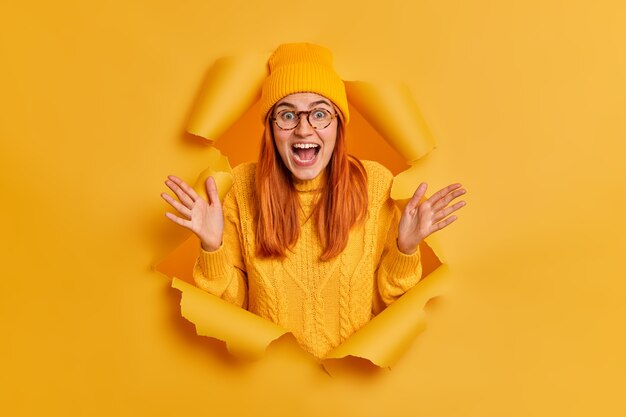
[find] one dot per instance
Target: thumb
(417, 196)
(211, 190)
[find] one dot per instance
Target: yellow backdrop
(525, 101)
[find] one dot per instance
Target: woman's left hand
(419, 220)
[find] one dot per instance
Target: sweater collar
(309, 185)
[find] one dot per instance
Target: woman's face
(304, 150)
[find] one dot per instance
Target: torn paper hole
(230, 89)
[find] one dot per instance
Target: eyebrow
(315, 103)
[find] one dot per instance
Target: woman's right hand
(204, 218)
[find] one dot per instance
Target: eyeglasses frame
(308, 113)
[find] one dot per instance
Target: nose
(304, 128)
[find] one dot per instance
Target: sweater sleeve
(223, 272)
(397, 272)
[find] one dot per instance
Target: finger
(417, 196)
(180, 193)
(444, 213)
(178, 220)
(211, 190)
(439, 194)
(181, 209)
(186, 187)
(446, 199)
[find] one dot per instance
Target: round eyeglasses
(317, 118)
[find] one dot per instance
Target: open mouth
(305, 154)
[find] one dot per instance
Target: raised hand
(419, 220)
(202, 217)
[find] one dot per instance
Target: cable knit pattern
(322, 303)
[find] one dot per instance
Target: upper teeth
(305, 145)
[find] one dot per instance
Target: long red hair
(342, 203)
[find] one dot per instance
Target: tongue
(306, 154)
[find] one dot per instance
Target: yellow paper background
(525, 102)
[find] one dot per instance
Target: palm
(414, 226)
(420, 219)
(199, 216)
(202, 217)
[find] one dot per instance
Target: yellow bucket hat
(303, 68)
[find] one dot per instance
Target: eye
(287, 116)
(320, 114)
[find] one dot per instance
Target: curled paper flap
(231, 86)
(405, 183)
(220, 170)
(388, 335)
(391, 110)
(245, 333)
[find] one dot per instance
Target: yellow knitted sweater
(322, 303)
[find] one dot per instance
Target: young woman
(308, 237)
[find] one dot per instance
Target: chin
(305, 174)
